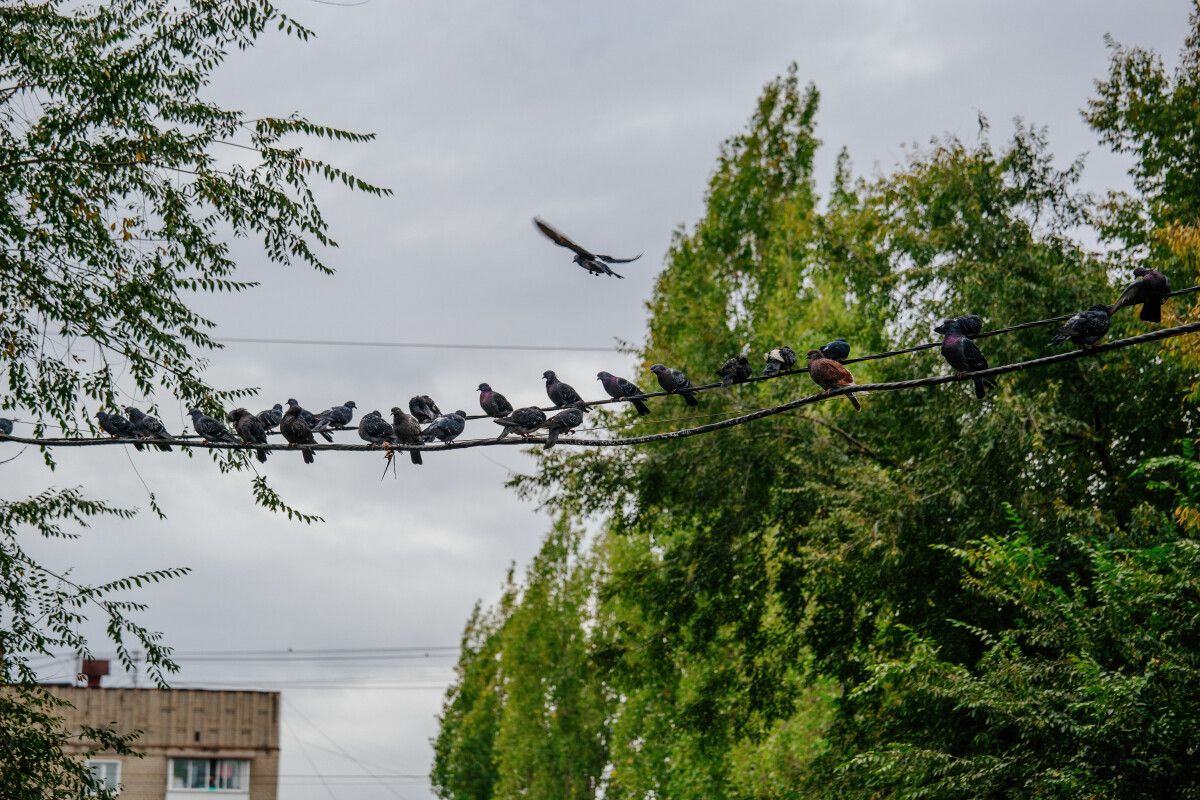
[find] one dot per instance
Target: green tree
(120, 185)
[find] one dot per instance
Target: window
(212, 774)
(106, 773)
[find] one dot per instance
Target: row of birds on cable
(825, 367)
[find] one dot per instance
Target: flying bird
(564, 422)
(297, 431)
(270, 418)
(445, 429)
(830, 374)
(339, 416)
(209, 428)
(407, 430)
(1084, 328)
(561, 394)
(674, 382)
(309, 418)
(735, 370)
(375, 429)
(779, 359)
(493, 403)
(963, 355)
(251, 429)
(838, 349)
(423, 408)
(148, 427)
(592, 262)
(621, 389)
(1150, 288)
(118, 427)
(523, 421)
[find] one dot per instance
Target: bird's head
(293, 412)
(349, 404)
(292, 402)
(397, 411)
(460, 413)
(194, 412)
(812, 355)
(548, 374)
(236, 414)
(277, 407)
(1101, 307)
(602, 375)
(134, 413)
(1140, 271)
(101, 415)
(657, 368)
(948, 326)
(582, 406)
(483, 387)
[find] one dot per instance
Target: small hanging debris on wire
(778, 360)
(963, 355)
(309, 418)
(564, 422)
(621, 389)
(117, 427)
(523, 421)
(1085, 328)
(594, 263)
(493, 403)
(838, 350)
(830, 375)
(1150, 288)
(296, 430)
(560, 394)
(407, 430)
(735, 370)
(148, 427)
(675, 382)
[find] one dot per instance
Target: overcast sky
(604, 118)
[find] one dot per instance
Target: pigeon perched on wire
(407, 430)
(117, 427)
(735, 370)
(560, 394)
(375, 429)
(338, 416)
(148, 427)
(523, 421)
(492, 402)
(621, 389)
(564, 422)
(423, 408)
(250, 429)
(1084, 328)
(1150, 288)
(445, 429)
(6, 426)
(594, 263)
(297, 431)
(209, 428)
(270, 418)
(830, 374)
(675, 382)
(778, 360)
(310, 419)
(969, 325)
(838, 349)
(963, 355)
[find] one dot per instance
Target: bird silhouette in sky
(593, 262)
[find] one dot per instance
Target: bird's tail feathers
(415, 455)
(308, 455)
(1151, 311)
(690, 399)
(640, 406)
(328, 436)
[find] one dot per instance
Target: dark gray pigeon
(493, 403)
(250, 429)
(338, 416)
(1084, 328)
(423, 408)
(564, 422)
(838, 349)
(310, 419)
(117, 427)
(445, 429)
(6, 426)
(621, 389)
(1150, 288)
(375, 429)
(735, 370)
(969, 325)
(560, 394)
(270, 418)
(523, 421)
(592, 262)
(407, 430)
(148, 427)
(778, 360)
(674, 382)
(209, 428)
(296, 431)
(964, 355)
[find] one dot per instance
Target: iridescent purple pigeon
(1150, 289)
(561, 394)
(621, 389)
(493, 403)
(964, 355)
(675, 382)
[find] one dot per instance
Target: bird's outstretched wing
(611, 260)
(560, 240)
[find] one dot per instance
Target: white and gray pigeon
(271, 417)
(211, 429)
(778, 360)
(148, 427)
(375, 429)
(447, 428)
(338, 416)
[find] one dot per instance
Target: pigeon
(309, 418)
(1150, 288)
(830, 374)
(619, 388)
(423, 408)
(969, 325)
(374, 428)
(735, 370)
(838, 349)
(270, 418)
(407, 430)
(445, 429)
(1086, 327)
(297, 431)
(563, 422)
(148, 427)
(561, 394)
(493, 403)
(592, 262)
(209, 428)
(523, 421)
(675, 382)
(779, 359)
(963, 354)
(250, 429)
(339, 416)
(6, 426)
(118, 427)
